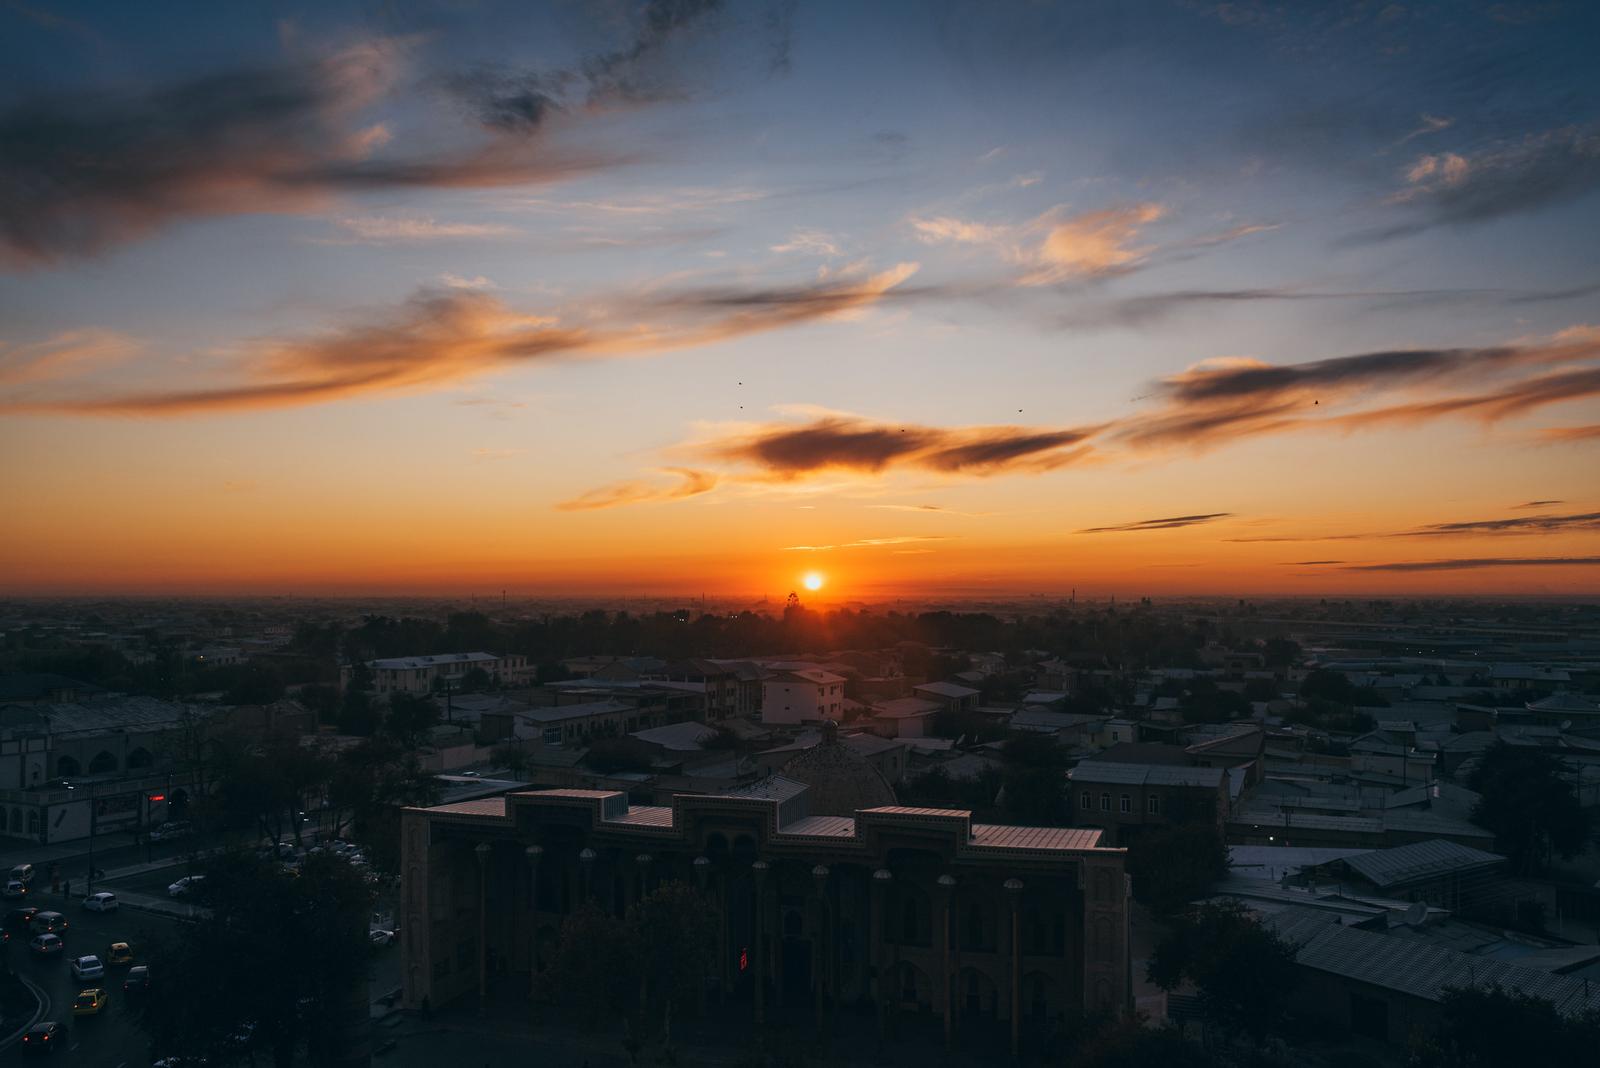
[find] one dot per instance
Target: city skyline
(1176, 299)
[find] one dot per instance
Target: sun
(813, 580)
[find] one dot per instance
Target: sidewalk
(42, 856)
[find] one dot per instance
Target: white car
(15, 888)
(101, 902)
(380, 936)
(184, 885)
(88, 968)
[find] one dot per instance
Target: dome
(840, 780)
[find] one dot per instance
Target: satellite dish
(1417, 914)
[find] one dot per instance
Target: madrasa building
(830, 897)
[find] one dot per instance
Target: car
(104, 901)
(22, 873)
(119, 954)
(21, 919)
(185, 885)
(47, 945)
(15, 889)
(382, 936)
(89, 1002)
(138, 980)
(89, 967)
(43, 1037)
(49, 922)
(169, 830)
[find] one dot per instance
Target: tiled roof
(821, 827)
(488, 806)
(1092, 771)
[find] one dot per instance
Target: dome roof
(840, 780)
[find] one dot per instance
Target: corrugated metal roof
(773, 786)
(1404, 864)
(998, 836)
(1427, 971)
(645, 816)
(821, 827)
(1094, 771)
(488, 806)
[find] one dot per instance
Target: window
(974, 927)
(909, 924)
(552, 736)
(1125, 804)
(1152, 805)
(1088, 799)
(1105, 802)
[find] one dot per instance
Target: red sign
(744, 959)
(158, 797)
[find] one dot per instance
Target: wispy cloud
(1475, 563)
(1537, 504)
(1452, 189)
(389, 230)
(851, 444)
(1529, 524)
(68, 354)
(1056, 246)
(809, 242)
(444, 335)
(691, 483)
(1570, 433)
(1168, 523)
(89, 171)
(864, 543)
(496, 454)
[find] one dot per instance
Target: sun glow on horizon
(813, 580)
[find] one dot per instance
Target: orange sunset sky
(969, 300)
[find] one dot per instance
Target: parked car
(21, 919)
(43, 1037)
(89, 967)
(22, 873)
(89, 1002)
(49, 922)
(47, 945)
(138, 980)
(185, 885)
(15, 888)
(382, 936)
(119, 954)
(101, 902)
(169, 830)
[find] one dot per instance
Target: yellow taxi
(89, 1002)
(120, 953)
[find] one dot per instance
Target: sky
(676, 296)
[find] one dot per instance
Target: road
(113, 1038)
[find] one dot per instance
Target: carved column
(585, 874)
(644, 861)
(819, 958)
(947, 886)
(534, 853)
(758, 872)
(878, 923)
(1014, 904)
(482, 851)
(702, 875)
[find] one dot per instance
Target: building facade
(805, 695)
(419, 674)
(895, 910)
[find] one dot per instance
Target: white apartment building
(417, 674)
(802, 695)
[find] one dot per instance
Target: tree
(1172, 866)
(1529, 805)
(672, 935)
(593, 973)
(607, 755)
(410, 718)
(1035, 780)
(512, 757)
(356, 715)
(1205, 702)
(371, 783)
(1244, 971)
(1130, 1042)
(1485, 1027)
(276, 963)
(252, 683)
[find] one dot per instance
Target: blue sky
(548, 258)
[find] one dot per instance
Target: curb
(39, 998)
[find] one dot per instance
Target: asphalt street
(111, 1039)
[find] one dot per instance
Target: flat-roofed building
(891, 910)
(418, 674)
